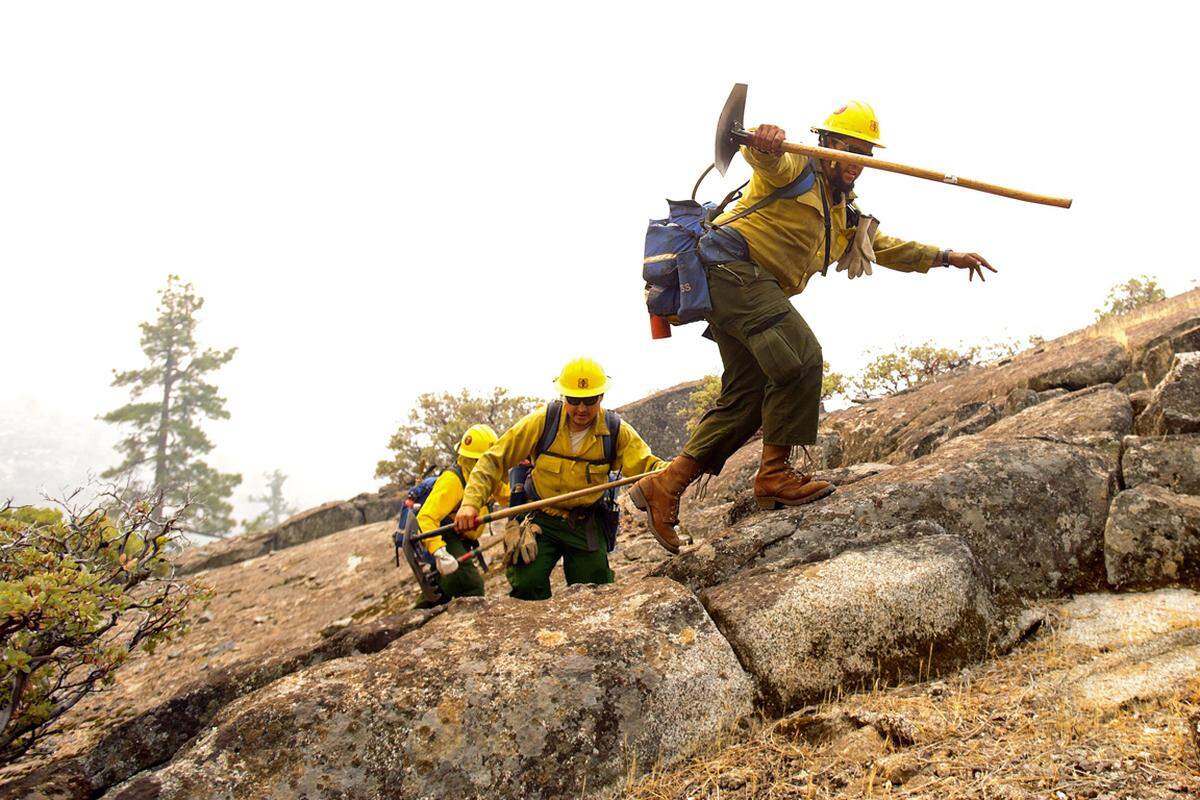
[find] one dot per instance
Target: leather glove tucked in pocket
(860, 253)
(520, 541)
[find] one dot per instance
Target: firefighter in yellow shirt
(457, 578)
(572, 443)
(772, 361)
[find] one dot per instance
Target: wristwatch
(943, 259)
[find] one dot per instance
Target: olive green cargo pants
(772, 364)
(559, 539)
(466, 581)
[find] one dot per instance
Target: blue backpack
(679, 247)
(416, 496)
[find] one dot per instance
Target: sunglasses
(587, 401)
(849, 147)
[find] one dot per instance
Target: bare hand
(970, 261)
(467, 519)
(768, 139)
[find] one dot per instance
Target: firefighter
(571, 443)
(458, 578)
(772, 361)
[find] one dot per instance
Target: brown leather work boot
(778, 484)
(658, 495)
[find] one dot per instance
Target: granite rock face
(1175, 405)
(1029, 496)
(1153, 538)
(315, 523)
(907, 425)
(495, 698)
(657, 418)
(883, 611)
(1172, 462)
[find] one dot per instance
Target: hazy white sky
(380, 199)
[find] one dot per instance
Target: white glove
(446, 563)
(860, 253)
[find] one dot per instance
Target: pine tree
(164, 442)
(277, 507)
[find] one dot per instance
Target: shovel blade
(730, 127)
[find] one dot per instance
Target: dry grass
(1004, 729)
(1117, 327)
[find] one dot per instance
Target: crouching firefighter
(458, 574)
(570, 444)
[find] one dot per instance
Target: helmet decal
(841, 110)
(467, 440)
(583, 383)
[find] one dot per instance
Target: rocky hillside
(966, 507)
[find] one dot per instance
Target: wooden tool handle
(536, 504)
(927, 174)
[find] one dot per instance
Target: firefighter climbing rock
(458, 575)
(570, 444)
(796, 213)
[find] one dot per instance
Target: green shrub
(80, 589)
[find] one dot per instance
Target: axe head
(730, 129)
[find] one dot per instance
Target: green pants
(466, 581)
(559, 539)
(772, 367)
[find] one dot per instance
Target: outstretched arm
(906, 256)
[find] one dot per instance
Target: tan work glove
(520, 541)
(860, 253)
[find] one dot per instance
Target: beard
(841, 183)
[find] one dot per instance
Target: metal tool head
(730, 128)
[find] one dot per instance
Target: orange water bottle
(659, 327)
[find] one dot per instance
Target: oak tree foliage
(436, 424)
(1130, 295)
(81, 588)
(911, 365)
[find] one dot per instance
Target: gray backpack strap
(549, 427)
(613, 420)
(797, 186)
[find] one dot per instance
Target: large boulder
(1157, 361)
(1172, 462)
(882, 612)
(1153, 538)
(1106, 365)
(151, 737)
(657, 418)
(1175, 405)
(1030, 498)
(494, 698)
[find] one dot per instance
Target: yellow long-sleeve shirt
(553, 475)
(787, 237)
(444, 499)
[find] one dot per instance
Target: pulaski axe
(731, 133)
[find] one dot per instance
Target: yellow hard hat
(855, 119)
(476, 441)
(582, 377)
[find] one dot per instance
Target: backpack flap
(694, 300)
